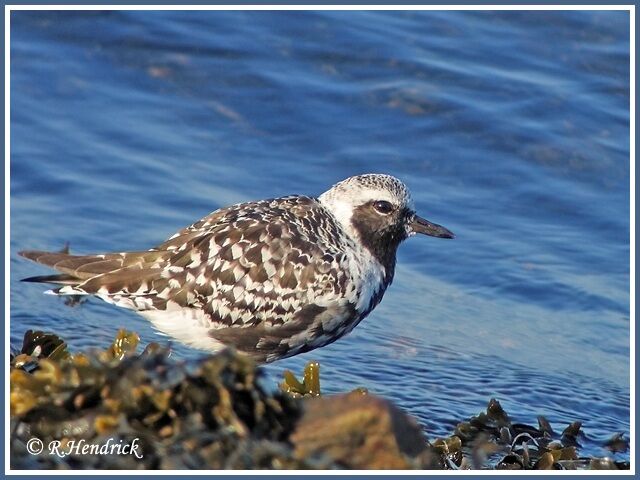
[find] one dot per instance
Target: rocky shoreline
(119, 409)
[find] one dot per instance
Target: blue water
(510, 128)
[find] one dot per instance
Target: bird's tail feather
(87, 274)
(62, 279)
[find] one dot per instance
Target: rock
(362, 432)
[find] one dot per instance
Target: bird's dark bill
(420, 225)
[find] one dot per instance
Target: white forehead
(361, 189)
(344, 197)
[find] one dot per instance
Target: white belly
(186, 325)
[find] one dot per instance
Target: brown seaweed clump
(211, 413)
(491, 438)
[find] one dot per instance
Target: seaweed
(213, 413)
(492, 439)
(199, 414)
(309, 386)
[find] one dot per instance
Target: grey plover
(272, 278)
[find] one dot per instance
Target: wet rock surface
(149, 411)
(362, 431)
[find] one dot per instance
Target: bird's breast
(370, 282)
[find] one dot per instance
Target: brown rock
(362, 432)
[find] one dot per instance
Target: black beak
(420, 225)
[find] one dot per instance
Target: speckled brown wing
(263, 273)
(254, 263)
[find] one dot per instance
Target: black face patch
(380, 234)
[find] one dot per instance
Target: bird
(271, 278)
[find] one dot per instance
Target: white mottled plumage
(273, 278)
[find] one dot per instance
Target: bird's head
(378, 211)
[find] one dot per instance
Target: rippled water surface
(511, 129)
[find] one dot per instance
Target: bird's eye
(382, 206)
